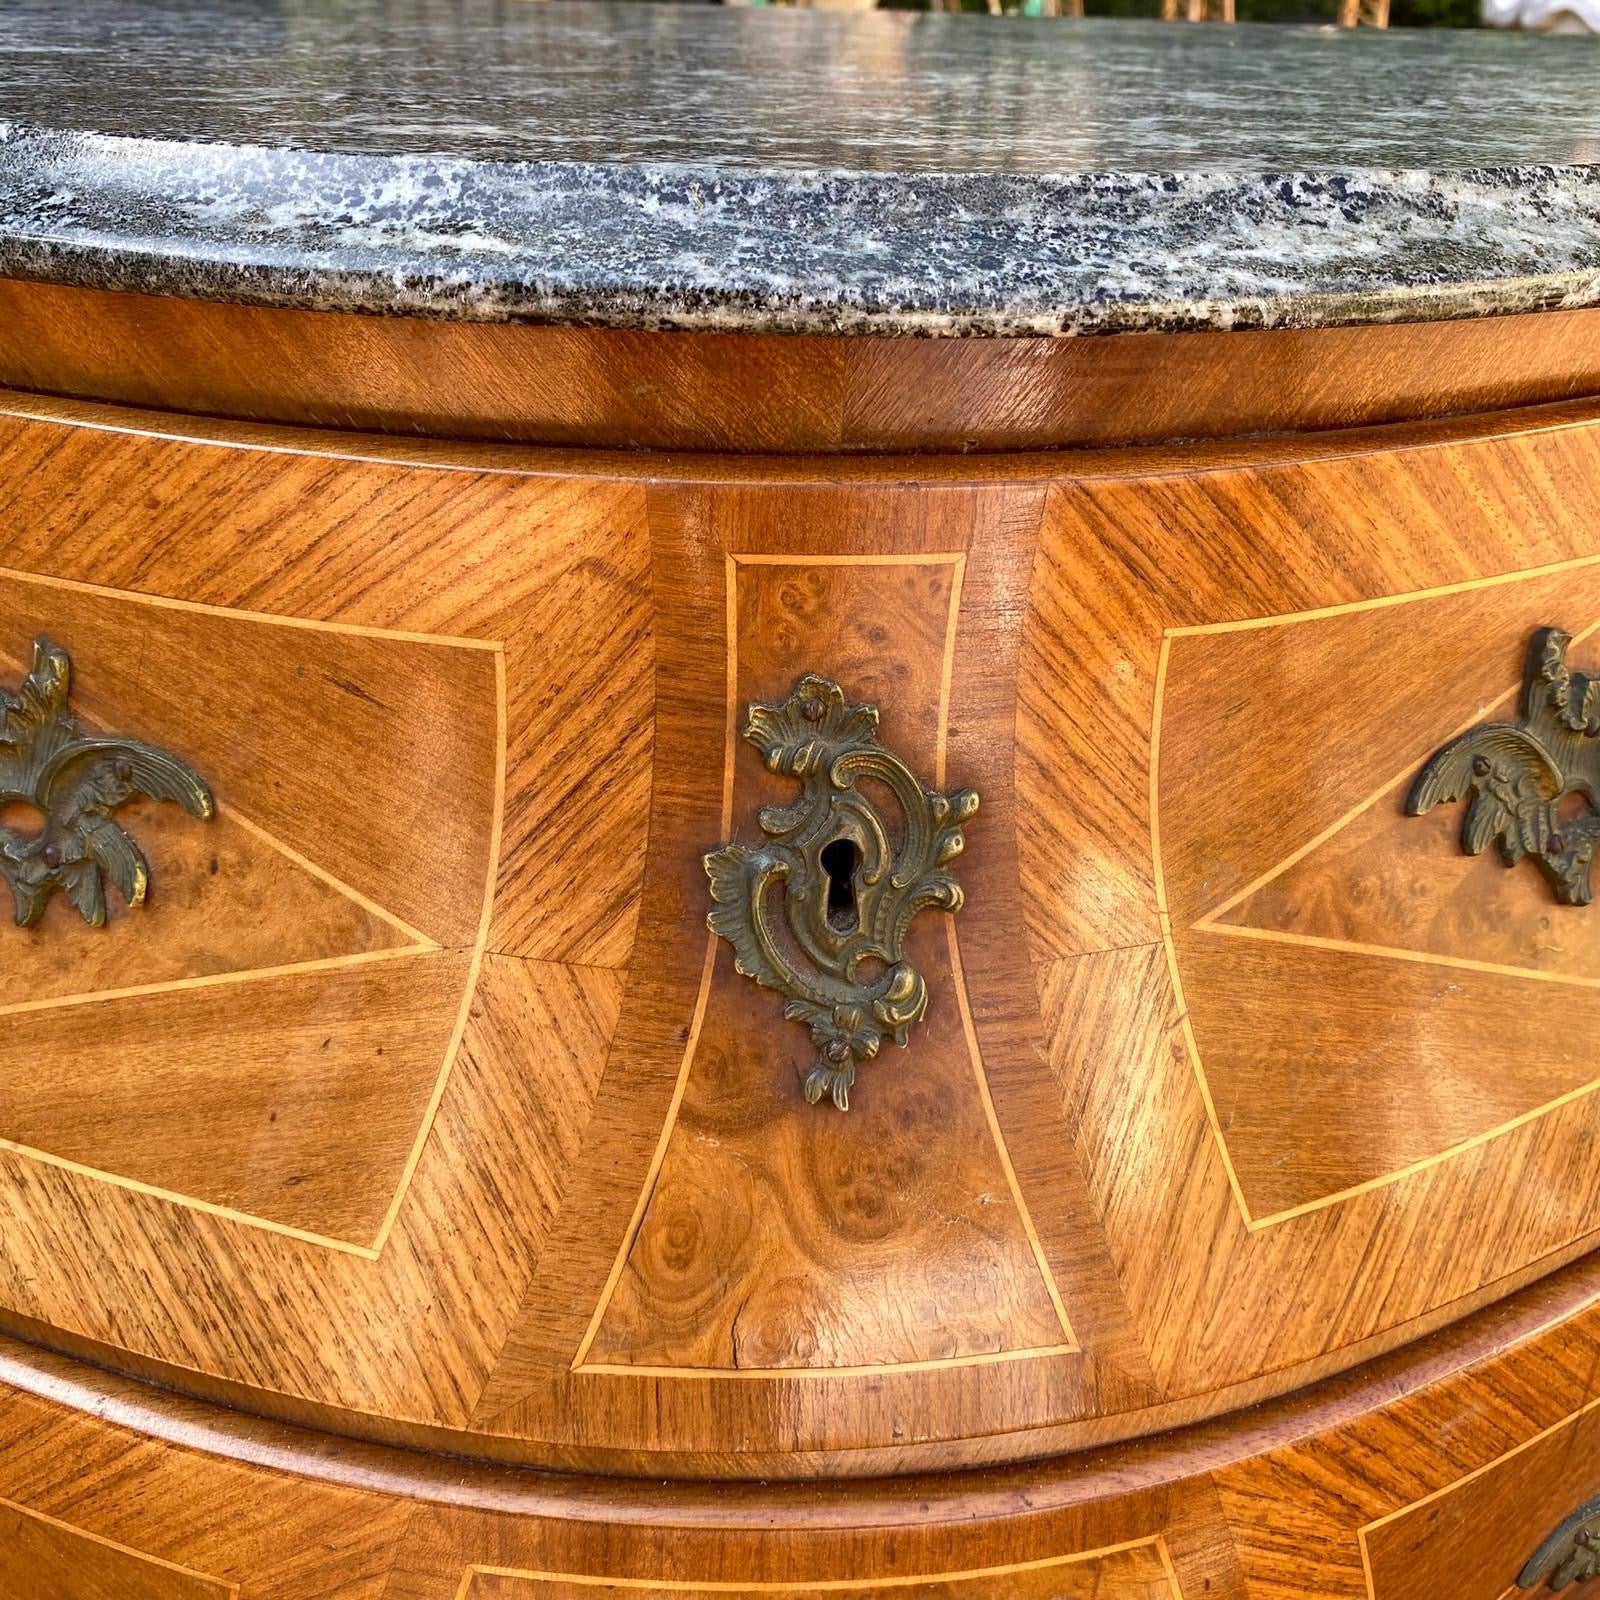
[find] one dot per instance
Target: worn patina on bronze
(1534, 783)
(1570, 1555)
(850, 885)
(76, 780)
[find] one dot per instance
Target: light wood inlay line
(1382, 602)
(223, 1587)
(964, 1005)
(932, 558)
(986, 1358)
(1069, 1346)
(1159, 880)
(421, 945)
(218, 980)
(191, 1202)
(1155, 1543)
(1421, 958)
(306, 864)
(730, 737)
(470, 988)
(947, 670)
(284, 620)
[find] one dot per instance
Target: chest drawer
(1221, 1070)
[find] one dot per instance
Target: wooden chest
(413, 1198)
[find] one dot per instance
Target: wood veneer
(1444, 1462)
(734, 392)
(555, 1198)
(420, 1111)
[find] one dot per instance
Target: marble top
(690, 166)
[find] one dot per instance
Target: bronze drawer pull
(1570, 1555)
(76, 780)
(850, 892)
(1523, 775)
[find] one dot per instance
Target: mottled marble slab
(695, 167)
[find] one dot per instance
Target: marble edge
(680, 248)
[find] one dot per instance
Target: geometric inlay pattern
(266, 1036)
(771, 1239)
(1363, 998)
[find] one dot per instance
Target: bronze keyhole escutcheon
(844, 882)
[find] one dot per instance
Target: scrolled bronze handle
(1534, 783)
(1571, 1554)
(850, 887)
(76, 780)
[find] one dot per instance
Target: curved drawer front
(1522, 1522)
(419, 1095)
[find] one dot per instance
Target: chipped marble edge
(653, 246)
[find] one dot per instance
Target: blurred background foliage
(1402, 13)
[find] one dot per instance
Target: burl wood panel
(1232, 1075)
(891, 1256)
(763, 1215)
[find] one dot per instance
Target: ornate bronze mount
(850, 887)
(1534, 783)
(1570, 1555)
(76, 780)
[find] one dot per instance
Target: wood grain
(305, 1117)
(1161, 1157)
(50, 1560)
(1448, 1461)
(763, 1218)
(345, 745)
(736, 392)
(362, 547)
(1139, 1572)
(886, 554)
(200, 919)
(1231, 1207)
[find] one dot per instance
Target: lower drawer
(1483, 1531)
(1439, 1471)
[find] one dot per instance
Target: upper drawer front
(420, 1087)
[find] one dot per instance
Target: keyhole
(839, 861)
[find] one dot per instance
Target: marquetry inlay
(1334, 895)
(303, 905)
